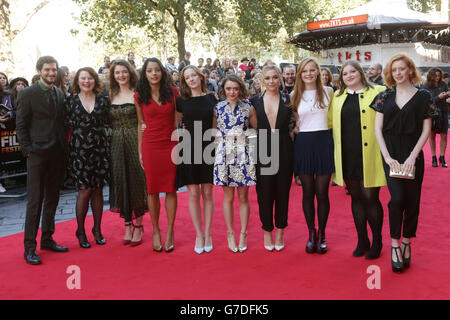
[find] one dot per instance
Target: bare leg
(443, 144)
(244, 213)
(433, 143)
(171, 209)
(208, 211)
(154, 207)
(137, 234)
(228, 214)
(196, 214)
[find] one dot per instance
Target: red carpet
(117, 272)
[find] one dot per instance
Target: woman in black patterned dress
(129, 185)
(87, 114)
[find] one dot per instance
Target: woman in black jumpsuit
(275, 177)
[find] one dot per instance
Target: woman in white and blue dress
(234, 167)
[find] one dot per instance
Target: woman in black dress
(402, 127)
(439, 91)
(196, 107)
(274, 177)
(87, 114)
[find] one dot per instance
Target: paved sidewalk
(12, 210)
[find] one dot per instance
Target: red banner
(340, 22)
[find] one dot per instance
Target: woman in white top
(313, 150)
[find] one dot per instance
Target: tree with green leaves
(261, 20)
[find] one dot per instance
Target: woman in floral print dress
(234, 166)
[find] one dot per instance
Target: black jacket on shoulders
(39, 127)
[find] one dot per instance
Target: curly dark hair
(143, 86)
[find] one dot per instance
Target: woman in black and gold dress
(88, 163)
(130, 191)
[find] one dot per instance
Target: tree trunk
(181, 32)
(8, 33)
(6, 56)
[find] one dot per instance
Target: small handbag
(402, 175)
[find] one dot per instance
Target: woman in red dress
(155, 104)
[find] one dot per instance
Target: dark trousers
(45, 171)
(405, 202)
(273, 190)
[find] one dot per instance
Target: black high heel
(397, 266)
(442, 162)
(98, 237)
(362, 247)
(82, 239)
(311, 245)
(321, 243)
(434, 161)
(406, 261)
(375, 251)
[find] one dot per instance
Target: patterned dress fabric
(234, 164)
(88, 160)
(129, 184)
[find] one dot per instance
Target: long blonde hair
(300, 87)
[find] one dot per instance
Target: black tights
(315, 187)
(95, 197)
(366, 207)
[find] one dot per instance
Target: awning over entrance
(380, 21)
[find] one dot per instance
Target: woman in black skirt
(439, 90)
(274, 121)
(402, 127)
(313, 151)
(196, 108)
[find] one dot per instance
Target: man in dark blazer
(40, 131)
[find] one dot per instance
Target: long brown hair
(431, 74)
(114, 86)
(299, 88)
(357, 66)
(185, 91)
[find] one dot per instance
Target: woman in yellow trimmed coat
(357, 155)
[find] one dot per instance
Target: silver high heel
(196, 249)
(209, 248)
(243, 247)
(230, 235)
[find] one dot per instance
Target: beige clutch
(402, 175)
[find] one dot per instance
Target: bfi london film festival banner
(12, 162)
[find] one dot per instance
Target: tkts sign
(343, 56)
(339, 22)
